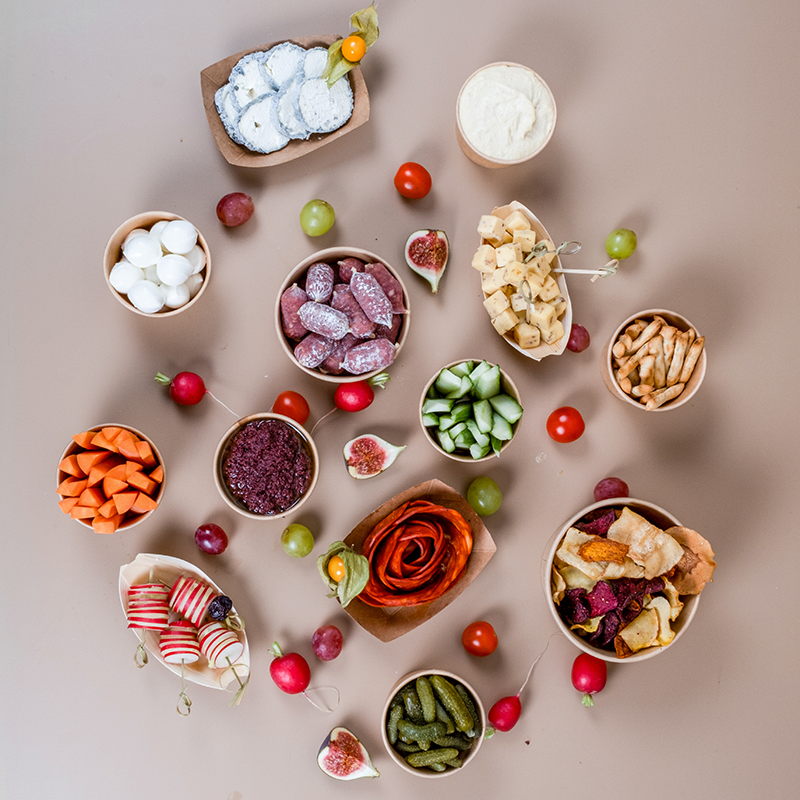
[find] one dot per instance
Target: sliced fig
(342, 756)
(369, 455)
(426, 253)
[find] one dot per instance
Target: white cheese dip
(506, 112)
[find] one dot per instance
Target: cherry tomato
(479, 639)
(412, 180)
(292, 405)
(336, 568)
(353, 48)
(565, 424)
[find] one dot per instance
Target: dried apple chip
(696, 566)
(649, 546)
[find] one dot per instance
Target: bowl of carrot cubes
(110, 477)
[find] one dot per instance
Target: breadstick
(690, 362)
(678, 355)
(662, 396)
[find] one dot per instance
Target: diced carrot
(111, 486)
(106, 524)
(71, 487)
(131, 467)
(92, 497)
(67, 503)
(84, 439)
(88, 458)
(111, 432)
(108, 509)
(157, 474)
(124, 501)
(126, 445)
(69, 464)
(140, 481)
(143, 503)
(83, 512)
(146, 454)
(99, 441)
(120, 472)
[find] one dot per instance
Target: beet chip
(601, 599)
(597, 523)
(574, 608)
(606, 631)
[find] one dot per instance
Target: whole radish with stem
(291, 674)
(505, 713)
(187, 389)
(589, 675)
(355, 396)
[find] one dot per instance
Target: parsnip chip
(673, 597)
(642, 632)
(649, 546)
(696, 566)
(602, 549)
(662, 608)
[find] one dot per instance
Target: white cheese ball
(147, 296)
(179, 236)
(142, 251)
(198, 258)
(133, 234)
(151, 273)
(176, 296)
(173, 269)
(193, 284)
(123, 275)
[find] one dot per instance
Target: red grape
(578, 338)
(211, 539)
(235, 209)
(611, 487)
(327, 642)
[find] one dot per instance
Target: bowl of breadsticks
(655, 360)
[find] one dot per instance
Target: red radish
(187, 389)
(290, 672)
(356, 396)
(505, 713)
(589, 676)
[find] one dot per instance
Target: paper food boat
(149, 568)
(388, 623)
(542, 350)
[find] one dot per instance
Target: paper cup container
(486, 159)
(466, 756)
(507, 386)
(215, 76)
(653, 514)
(608, 367)
(222, 452)
(113, 253)
(131, 519)
(331, 256)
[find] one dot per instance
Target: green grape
(317, 217)
(484, 496)
(621, 243)
(297, 540)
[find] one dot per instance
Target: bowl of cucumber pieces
(470, 410)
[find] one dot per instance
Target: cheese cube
(527, 336)
(560, 306)
(514, 272)
(550, 246)
(516, 221)
(525, 238)
(549, 290)
(553, 333)
(485, 259)
(507, 253)
(542, 315)
(518, 302)
(539, 266)
(505, 321)
(534, 285)
(492, 281)
(491, 228)
(496, 303)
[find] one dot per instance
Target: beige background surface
(679, 120)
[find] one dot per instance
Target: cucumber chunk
(447, 382)
(507, 407)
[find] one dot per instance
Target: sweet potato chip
(600, 549)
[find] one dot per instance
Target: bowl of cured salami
(342, 314)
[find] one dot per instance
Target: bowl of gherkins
(470, 410)
(433, 723)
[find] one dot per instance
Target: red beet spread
(267, 466)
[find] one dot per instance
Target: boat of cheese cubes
(184, 621)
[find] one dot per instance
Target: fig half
(369, 455)
(427, 252)
(342, 756)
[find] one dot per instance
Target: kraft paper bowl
(130, 518)
(466, 756)
(222, 452)
(653, 514)
(113, 253)
(332, 255)
(608, 364)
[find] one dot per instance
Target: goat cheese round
(506, 112)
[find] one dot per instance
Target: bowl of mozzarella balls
(157, 264)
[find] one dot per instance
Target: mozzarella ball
(198, 258)
(176, 296)
(146, 296)
(193, 284)
(142, 251)
(173, 269)
(179, 236)
(123, 275)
